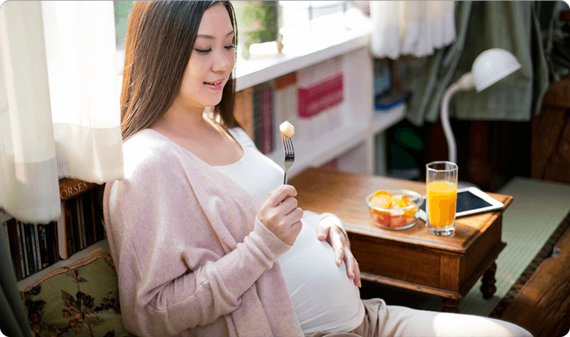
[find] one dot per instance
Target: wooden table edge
(410, 286)
(444, 293)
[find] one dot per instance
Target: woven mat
(546, 251)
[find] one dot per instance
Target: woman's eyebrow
(210, 37)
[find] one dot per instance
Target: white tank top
(323, 296)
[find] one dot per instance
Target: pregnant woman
(206, 239)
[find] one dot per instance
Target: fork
(289, 155)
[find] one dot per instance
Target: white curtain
(411, 27)
(59, 102)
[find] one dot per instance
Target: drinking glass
(441, 181)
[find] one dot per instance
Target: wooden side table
(412, 259)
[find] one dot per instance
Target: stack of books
(34, 247)
(81, 222)
(310, 99)
(320, 93)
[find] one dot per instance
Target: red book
(321, 96)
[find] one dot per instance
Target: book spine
(269, 120)
(52, 243)
(23, 260)
(62, 233)
(71, 222)
(14, 252)
(81, 223)
(88, 200)
(6, 236)
(41, 246)
(28, 248)
(256, 118)
(263, 122)
(98, 215)
(38, 248)
(33, 235)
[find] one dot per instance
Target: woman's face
(211, 62)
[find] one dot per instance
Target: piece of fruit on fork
(287, 129)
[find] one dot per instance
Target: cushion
(81, 299)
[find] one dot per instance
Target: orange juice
(441, 202)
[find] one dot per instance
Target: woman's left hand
(327, 230)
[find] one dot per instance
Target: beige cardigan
(191, 257)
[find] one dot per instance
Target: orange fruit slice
(383, 200)
(380, 193)
(405, 202)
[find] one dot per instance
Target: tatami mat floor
(537, 209)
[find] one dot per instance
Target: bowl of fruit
(393, 209)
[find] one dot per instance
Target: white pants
(383, 320)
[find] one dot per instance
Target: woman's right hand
(280, 214)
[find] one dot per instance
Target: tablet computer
(470, 200)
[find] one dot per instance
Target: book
(27, 248)
(5, 231)
(31, 229)
(320, 93)
(10, 225)
(266, 118)
(62, 234)
(23, 259)
(42, 246)
(80, 222)
(88, 216)
(98, 215)
(74, 225)
(243, 110)
(38, 251)
(257, 117)
(52, 242)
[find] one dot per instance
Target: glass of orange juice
(441, 180)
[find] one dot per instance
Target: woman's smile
(216, 85)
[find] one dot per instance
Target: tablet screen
(466, 201)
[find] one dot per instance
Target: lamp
(489, 67)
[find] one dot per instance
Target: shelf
(382, 120)
(22, 284)
(317, 152)
(304, 47)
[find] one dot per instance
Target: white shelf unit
(353, 141)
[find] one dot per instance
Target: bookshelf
(79, 211)
(352, 143)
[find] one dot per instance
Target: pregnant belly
(321, 292)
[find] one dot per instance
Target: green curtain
(511, 25)
(13, 316)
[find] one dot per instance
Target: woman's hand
(327, 230)
(280, 214)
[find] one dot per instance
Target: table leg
(488, 287)
(450, 305)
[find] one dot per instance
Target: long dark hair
(159, 41)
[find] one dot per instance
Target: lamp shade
(491, 66)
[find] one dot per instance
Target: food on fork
(287, 129)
